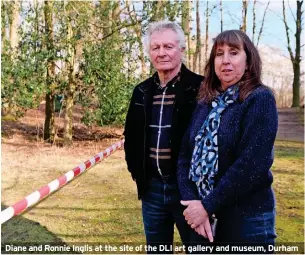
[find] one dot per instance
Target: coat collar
(184, 84)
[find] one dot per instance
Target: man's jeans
(161, 209)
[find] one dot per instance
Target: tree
(262, 25)
(197, 54)
(295, 56)
(185, 24)
(12, 14)
(74, 19)
(106, 76)
(206, 31)
(14, 25)
(138, 32)
(243, 26)
(208, 13)
(49, 128)
(221, 15)
(254, 24)
(70, 89)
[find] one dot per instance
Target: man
(159, 113)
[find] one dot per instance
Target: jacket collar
(183, 85)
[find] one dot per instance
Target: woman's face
(230, 64)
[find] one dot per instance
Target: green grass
(101, 206)
(288, 171)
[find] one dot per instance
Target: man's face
(164, 50)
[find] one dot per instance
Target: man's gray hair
(160, 26)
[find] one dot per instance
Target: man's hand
(197, 217)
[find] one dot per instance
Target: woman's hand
(197, 217)
(201, 231)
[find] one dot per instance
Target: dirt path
(291, 125)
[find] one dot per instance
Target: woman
(227, 152)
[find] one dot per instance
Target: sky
(273, 35)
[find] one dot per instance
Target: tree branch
(276, 14)
(253, 27)
(287, 33)
(263, 21)
(291, 12)
(118, 29)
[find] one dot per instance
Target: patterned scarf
(204, 164)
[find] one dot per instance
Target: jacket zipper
(159, 131)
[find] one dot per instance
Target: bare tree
(262, 25)
(138, 30)
(244, 16)
(221, 16)
(206, 30)
(295, 57)
(186, 28)
(208, 13)
(254, 24)
(197, 54)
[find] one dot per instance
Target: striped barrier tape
(54, 185)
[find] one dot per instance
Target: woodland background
(90, 53)
(68, 69)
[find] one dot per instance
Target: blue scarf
(204, 164)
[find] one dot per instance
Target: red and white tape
(46, 190)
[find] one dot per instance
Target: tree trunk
(49, 129)
(137, 29)
(206, 31)
(14, 25)
(197, 54)
(70, 90)
(262, 25)
(13, 17)
(244, 16)
(254, 24)
(221, 16)
(186, 28)
(297, 59)
(68, 117)
(296, 85)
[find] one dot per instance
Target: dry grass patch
(101, 205)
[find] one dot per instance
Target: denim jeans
(161, 209)
(258, 229)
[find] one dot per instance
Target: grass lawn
(101, 206)
(288, 170)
